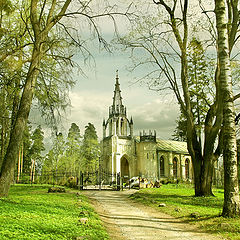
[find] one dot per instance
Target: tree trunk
(19, 165)
(2, 142)
(21, 170)
(197, 177)
(203, 174)
(33, 171)
(206, 176)
(19, 126)
(231, 205)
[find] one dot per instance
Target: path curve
(125, 219)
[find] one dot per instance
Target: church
(145, 155)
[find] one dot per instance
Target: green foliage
(32, 213)
(180, 132)
(37, 146)
(201, 85)
(74, 132)
(90, 149)
(54, 160)
(180, 202)
(27, 142)
(69, 156)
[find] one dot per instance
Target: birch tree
(231, 205)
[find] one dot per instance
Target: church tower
(118, 144)
(117, 123)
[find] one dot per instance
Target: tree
(164, 39)
(200, 77)
(73, 149)
(231, 205)
(74, 132)
(153, 36)
(180, 132)
(46, 41)
(24, 156)
(42, 22)
(36, 150)
(90, 149)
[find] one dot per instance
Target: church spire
(117, 123)
(117, 98)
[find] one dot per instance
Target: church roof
(173, 146)
(169, 145)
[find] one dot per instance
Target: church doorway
(124, 168)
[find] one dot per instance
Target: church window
(187, 168)
(110, 128)
(153, 155)
(117, 127)
(122, 127)
(147, 156)
(175, 167)
(161, 166)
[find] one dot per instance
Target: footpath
(125, 219)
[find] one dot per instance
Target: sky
(92, 95)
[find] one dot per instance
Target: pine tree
(73, 155)
(90, 149)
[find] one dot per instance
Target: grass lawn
(31, 213)
(180, 202)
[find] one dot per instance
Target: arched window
(122, 127)
(110, 128)
(187, 168)
(175, 167)
(162, 167)
(117, 123)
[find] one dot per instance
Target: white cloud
(87, 106)
(159, 115)
(92, 106)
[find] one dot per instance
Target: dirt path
(125, 219)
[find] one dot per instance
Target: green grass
(180, 202)
(31, 213)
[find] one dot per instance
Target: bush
(71, 182)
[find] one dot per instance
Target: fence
(81, 180)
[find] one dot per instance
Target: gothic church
(144, 155)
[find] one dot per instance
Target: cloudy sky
(92, 96)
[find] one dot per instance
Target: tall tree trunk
(2, 141)
(20, 124)
(231, 205)
(21, 170)
(19, 165)
(33, 171)
(207, 176)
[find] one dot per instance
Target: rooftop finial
(117, 74)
